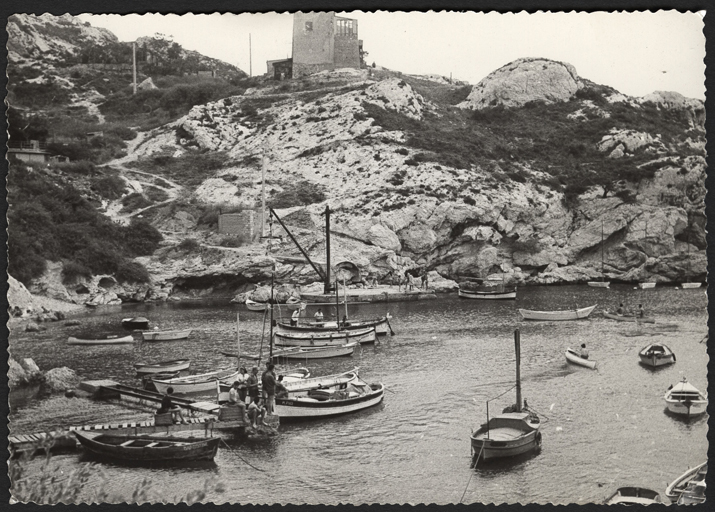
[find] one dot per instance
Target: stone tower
(322, 40)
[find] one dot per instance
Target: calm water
(601, 429)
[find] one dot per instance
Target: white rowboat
(488, 295)
(175, 365)
(688, 286)
(646, 286)
(318, 403)
(685, 399)
(179, 334)
(633, 495)
(324, 338)
(204, 382)
(599, 284)
(573, 357)
(571, 314)
(676, 488)
(656, 354)
(113, 339)
(315, 352)
(256, 306)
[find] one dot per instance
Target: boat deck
(502, 434)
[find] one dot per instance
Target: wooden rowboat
(626, 318)
(656, 354)
(174, 365)
(694, 494)
(573, 357)
(137, 322)
(633, 495)
(646, 286)
(599, 284)
(179, 334)
(571, 314)
(676, 488)
(324, 338)
(112, 339)
(685, 399)
(356, 395)
(146, 448)
(488, 294)
(200, 383)
(256, 306)
(292, 304)
(380, 324)
(323, 352)
(689, 286)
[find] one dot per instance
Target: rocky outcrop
(22, 373)
(395, 94)
(523, 81)
(60, 380)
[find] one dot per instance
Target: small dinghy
(137, 322)
(573, 357)
(656, 354)
(178, 334)
(325, 338)
(145, 448)
(678, 486)
(685, 399)
(200, 383)
(633, 495)
(571, 314)
(693, 494)
(111, 339)
(252, 305)
(172, 366)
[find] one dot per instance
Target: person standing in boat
(318, 315)
(252, 384)
(640, 312)
(584, 352)
(242, 380)
(425, 280)
(269, 388)
(294, 317)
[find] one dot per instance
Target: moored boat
(111, 339)
(656, 354)
(685, 399)
(322, 352)
(292, 304)
(486, 294)
(599, 284)
(571, 314)
(256, 306)
(693, 475)
(146, 448)
(690, 286)
(646, 286)
(204, 382)
(514, 432)
(693, 494)
(352, 396)
(573, 357)
(175, 365)
(137, 322)
(178, 334)
(633, 495)
(626, 318)
(324, 382)
(380, 324)
(324, 338)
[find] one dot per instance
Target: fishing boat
(381, 326)
(626, 318)
(351, 396)
(324, 382)
(111, 339)
(256, 306)
(496, 294)
(574, 357)
(693, 494)
(323, 352)
(693, 475)
(196, 383)
(685, 399)
(656, 354)
(514, 432)
(633, 495)
(570, 314)
(179, 334)
(146, 448)
(325, 338)
(137, 322)
(602, 283)
(175, 365)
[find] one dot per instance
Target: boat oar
(392, 333)
(388, 389)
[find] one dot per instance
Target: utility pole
(263, 196)
(134, 64)
(250, 57)
(326, 289)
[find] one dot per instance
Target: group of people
(246, 385)
(639, 313)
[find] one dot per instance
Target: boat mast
(345, 297)
(517, 345)
(270, 341)
(326, 289)
(263, 196)
(238, 340)
(603, 275)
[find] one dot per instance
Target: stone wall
(245, 224)
(313, 37)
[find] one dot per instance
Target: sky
(635, 53)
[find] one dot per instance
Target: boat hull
(633, 496)
(573, 357)
(324, 352)
(655, 361)
(162, 367)
(166, 335)
(118, 340)
(690, 286)
(301, 407)
(646, 286)
(485, 295)
(496, 449)
(256, 306)
(165, 449)
(624, 318)
(380, 325)
(323, 338)
(196, 383)
(678, 486)
(573, 314)
(599, 284)
(696, 407)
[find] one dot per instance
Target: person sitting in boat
(318, 315)
(621, 310)
(345, 322)
(640, 312)
(281, 390)
(584, 352)
(167, 406)
(294, 317)
(256, 413)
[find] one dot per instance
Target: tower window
(308, 26)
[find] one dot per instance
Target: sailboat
(649, 284)
(511, 433)
(602, 283)
(688, 285)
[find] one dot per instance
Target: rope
(472, 475)
(504, 393)
(244, 460)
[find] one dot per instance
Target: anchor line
(472, 475)
(244, 460)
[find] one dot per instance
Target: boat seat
(127, 443)
(151, 445)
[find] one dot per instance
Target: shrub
(188, 245)
(83, 167)
(132, 272)
(135, 201)
(71, 270)
(301, 194)
(141, 238)
(109, 187)
(156, 194)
